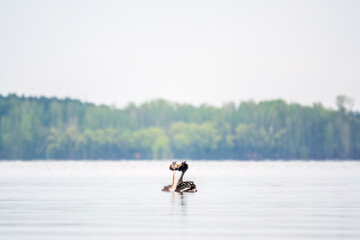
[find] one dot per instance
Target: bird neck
(181, 177)
(174, 183)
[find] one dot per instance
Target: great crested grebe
(187, 186)
(170, 188)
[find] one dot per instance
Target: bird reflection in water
(179, 203)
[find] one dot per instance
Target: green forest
(52, 128)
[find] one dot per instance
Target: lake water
(123, 200)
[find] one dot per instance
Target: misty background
(179, 79)
(116, 52)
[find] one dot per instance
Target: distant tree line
(51, 128)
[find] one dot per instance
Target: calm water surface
(123, 200)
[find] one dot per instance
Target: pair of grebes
(178, 185)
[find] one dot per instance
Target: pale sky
(116, 52)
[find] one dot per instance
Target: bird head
(174, 166)
(183, 167)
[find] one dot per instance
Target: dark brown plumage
(187, 186)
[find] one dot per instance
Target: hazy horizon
(194, 52)
(178, 102)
